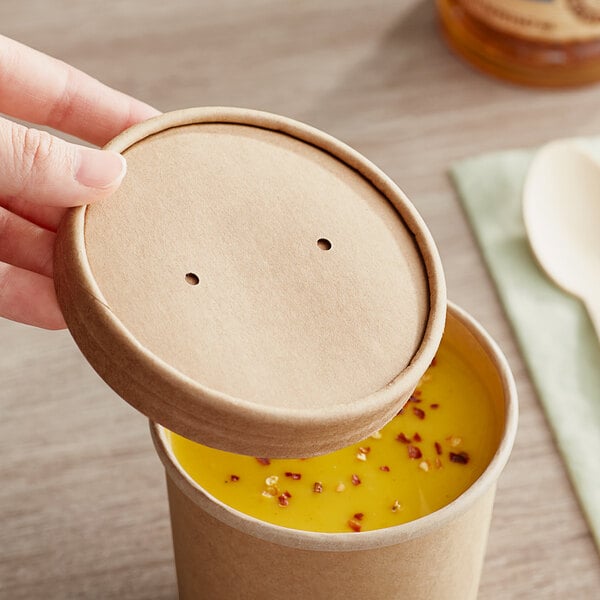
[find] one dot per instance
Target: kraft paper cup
(221, 553)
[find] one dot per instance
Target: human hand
(41, 175)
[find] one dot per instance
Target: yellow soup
(427, 456)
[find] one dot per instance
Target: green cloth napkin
(553, 329)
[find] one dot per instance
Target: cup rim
(344, 542)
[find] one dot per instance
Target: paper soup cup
(223, 553)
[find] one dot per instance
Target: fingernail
(100, 169)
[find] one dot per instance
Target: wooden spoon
(561, 210)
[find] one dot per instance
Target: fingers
(40, 168)
(29, 298)
(41, 175)
(46, 91)
(48, 217)
(25, 245)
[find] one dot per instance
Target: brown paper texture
(282, 345)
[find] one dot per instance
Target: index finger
(46, 91)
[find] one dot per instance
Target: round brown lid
(254, 284)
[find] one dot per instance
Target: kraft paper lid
(254, 284)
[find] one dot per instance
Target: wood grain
(83, 508)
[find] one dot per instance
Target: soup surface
(428, 455)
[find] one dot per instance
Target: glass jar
(552, 43)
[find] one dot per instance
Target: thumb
(38, 167)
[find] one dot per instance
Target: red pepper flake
(400, 412)
(354, 525)
(414, 399)
(433, 362)
(283, 500)
(402, 438)
(287, 494)
(364, 450)
(355, 479)
(234, 478)
(418, 412)
(438, 448)
(435, 406)
(294, 476)
(264, 461)
(417, 437)
(417, 393)
(462, 458)
(318, 487)
(384, 468)
(414, 452)
(359, 516)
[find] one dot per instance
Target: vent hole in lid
(324, 244)
(192, 278)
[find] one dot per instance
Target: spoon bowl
(561, 211)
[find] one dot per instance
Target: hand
(41, 175)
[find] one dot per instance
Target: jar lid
(254, 284)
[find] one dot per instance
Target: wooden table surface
(83, 509)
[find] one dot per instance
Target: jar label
(540, 20)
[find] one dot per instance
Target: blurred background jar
(553, 43)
